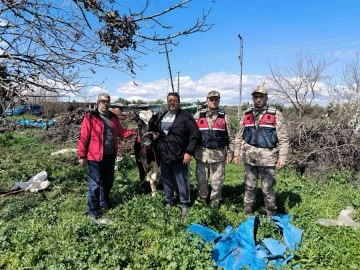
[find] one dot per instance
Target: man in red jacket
(98, 145)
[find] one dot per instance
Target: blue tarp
(35, 123)
(235, 249)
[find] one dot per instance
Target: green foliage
(234, 121)
(126, 165)
(49, 230)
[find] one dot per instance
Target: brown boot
(215, 204)
(201, 201)
(270, 213)
(248, 210)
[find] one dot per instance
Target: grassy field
(49, 230)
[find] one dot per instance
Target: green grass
(49, 230)
(24, 116)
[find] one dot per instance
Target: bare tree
(298, 84)
(5, 94)
(345, 96)
(53, 44)
(331, 143)
(351, 76)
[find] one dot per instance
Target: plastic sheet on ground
(35, 184)
(35, 123)
(63, 151)
(236, 249)
(345, 218)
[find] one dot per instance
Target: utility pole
(241, 66)
(178, 82)
(168, 61)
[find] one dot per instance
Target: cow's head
(141, 122)
(147, 140)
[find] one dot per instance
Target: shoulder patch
(271, 110)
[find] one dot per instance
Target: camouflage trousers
(216, 173)
(267, 177)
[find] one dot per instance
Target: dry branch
(324, 147)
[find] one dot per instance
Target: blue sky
(273, 31)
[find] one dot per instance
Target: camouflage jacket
(214, 155)
(257, 156)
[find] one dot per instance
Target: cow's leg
(153, 188)
(155, 178)
(152, 180)
(152, 177)
(139, 162)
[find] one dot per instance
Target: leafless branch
(299, 83)
(64, 42)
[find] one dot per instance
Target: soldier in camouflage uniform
(262, 143)
(214, 150)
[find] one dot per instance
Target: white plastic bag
(36, 183)
(345, 218)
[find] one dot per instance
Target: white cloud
(3, 22)
(192, 90)
(347, 54)
(228, 84)
(95, 91)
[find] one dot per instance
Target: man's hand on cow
(155, 135)
(186, 159)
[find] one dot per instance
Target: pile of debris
(67, 130)
(322, 147)
(6, 125)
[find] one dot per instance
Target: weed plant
(49, 229)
